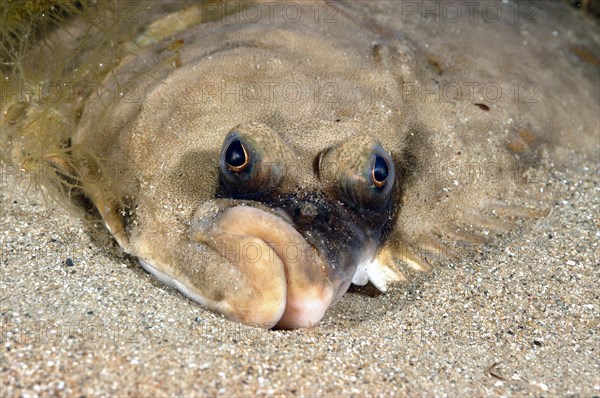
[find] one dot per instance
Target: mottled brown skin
(163, 198)
(170, 144)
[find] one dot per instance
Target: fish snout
(285, 280)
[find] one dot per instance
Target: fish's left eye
(359, 172)
(379, 172)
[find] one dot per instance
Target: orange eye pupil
(236, 156)
(380, 171)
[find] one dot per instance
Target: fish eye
(358, 172)
(236, 156)
(251, 161)
(379, 172)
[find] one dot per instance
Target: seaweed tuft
(52, 56)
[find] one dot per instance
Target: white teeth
(360, 277)
(379, 274)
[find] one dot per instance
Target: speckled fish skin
(317, 101)
(172, 140)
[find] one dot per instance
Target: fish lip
(312, 311)
(309, 291)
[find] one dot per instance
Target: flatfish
(261, 157)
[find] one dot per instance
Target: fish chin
(258, 243)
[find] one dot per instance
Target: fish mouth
(290, 282)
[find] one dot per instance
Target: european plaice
(259, 157)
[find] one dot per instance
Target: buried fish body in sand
(261, 168)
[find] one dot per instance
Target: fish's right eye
(236, 156)
(248, 165)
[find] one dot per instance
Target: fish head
(263, 173)
(308, 240)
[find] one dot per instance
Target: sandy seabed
(519, 318)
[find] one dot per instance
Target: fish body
(261, 165)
